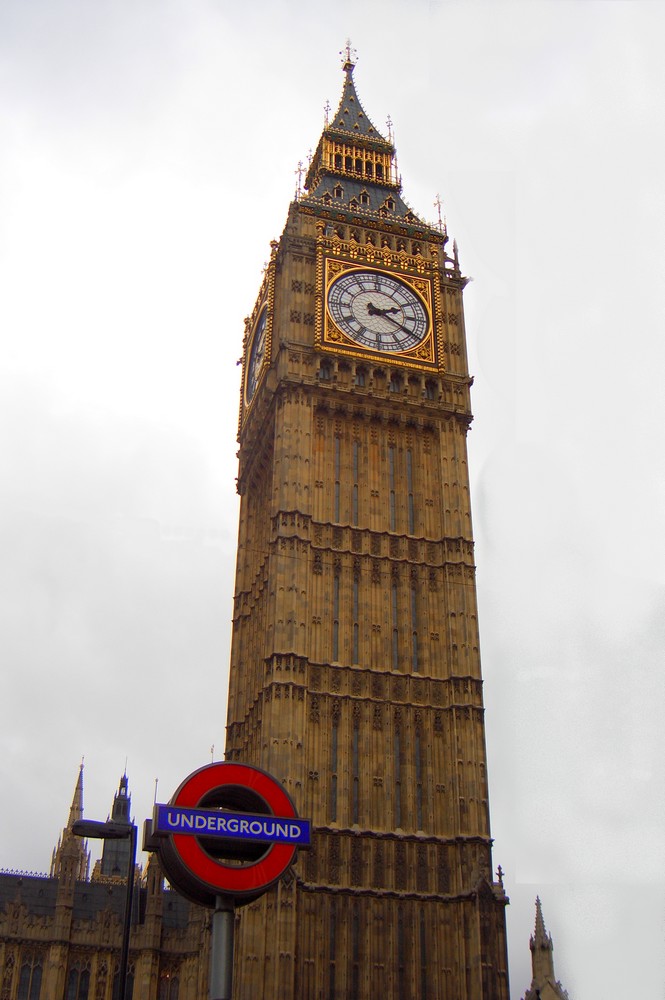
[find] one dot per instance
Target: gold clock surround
(423, 352)
(337, 257)
(255, 365)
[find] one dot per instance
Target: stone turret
(114, 861)
(544, 984)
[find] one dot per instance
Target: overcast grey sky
(147, 157)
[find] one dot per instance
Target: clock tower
(355, 669)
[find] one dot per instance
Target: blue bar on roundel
(231, 826)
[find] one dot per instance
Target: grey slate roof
(350, 115)
(38, 894)
(353, 189)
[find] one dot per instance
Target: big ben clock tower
(355, 668)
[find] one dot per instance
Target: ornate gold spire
(69, 847)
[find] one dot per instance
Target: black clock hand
(400, 325)
(375, 311)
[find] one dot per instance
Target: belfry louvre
(355, 666)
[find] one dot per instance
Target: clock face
(377, 311)
(256, 355)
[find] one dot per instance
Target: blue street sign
(231, 825)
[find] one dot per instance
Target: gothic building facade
(355, 666)
(60, 934)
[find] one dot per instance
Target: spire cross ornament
(299, 172)
(389, 123)
(437, 204)
(326, 111)
(349, 56)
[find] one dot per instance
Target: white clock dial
(378, 311)
(256, 355)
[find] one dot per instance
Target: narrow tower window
(335, 624)
(419, 783)
(409, 486)
(356, 774)
(333, 947)
(391, 475)
(401, 954)
(395, 625)
(398, 779)
(333, 768)
(337, 483)
(356, 624)
(414, 627)
(424, 977)
(354, 512)
(355, 944)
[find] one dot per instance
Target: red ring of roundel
(230, 878)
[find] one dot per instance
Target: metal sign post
(228, 834)
(221, 949)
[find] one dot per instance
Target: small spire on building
(76, 808)
(544, 984)
(70, 848)
(541, 938)
(114, 861)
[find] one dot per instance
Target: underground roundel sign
(229, 830)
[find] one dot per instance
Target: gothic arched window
(30, 979)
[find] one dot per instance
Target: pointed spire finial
(326, 112)
(438, 205)
(299, 172)
(349, 57)
(389, 124)
(76, 808)
(540, 934)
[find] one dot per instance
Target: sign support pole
(221, 949)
